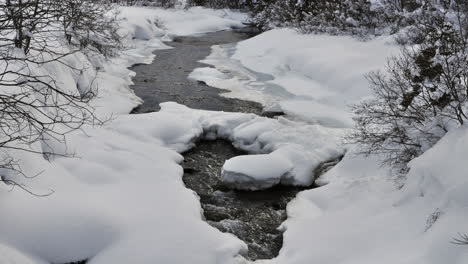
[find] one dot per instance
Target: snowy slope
(124, 196)
(121, 199)
(312, 77)
(361, 216)
(142, 22)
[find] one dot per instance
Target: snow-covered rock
(256, 172)
(294, 148)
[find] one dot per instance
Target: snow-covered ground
(362, 214)
(122, 199)
(312, 77)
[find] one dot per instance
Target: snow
(313, 77)
(254, 172)
(144, 30)
(296, 148)
(122, 199)
(362, 216)
(123, 195)
(362, 213)
(178, 22)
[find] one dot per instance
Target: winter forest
(233, 131)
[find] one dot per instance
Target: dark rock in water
(249, 29)
(272, 114)
(78, 262)
(326, 166)
(138, 110)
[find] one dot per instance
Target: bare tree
(34, 106)
(151, 3)
(90, 24)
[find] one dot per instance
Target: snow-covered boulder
(256, 172)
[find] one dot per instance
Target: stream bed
(166, 79)
(253, 217)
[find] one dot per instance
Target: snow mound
(296, 147)
(256, 172)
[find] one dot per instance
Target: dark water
(252, 216)
(166, 78)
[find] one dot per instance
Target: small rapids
(254, 217)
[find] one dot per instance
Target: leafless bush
(89, 24)
(236, 4)
(422, 93)
(34, 106)
(150, 3)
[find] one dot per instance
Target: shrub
(423, 92)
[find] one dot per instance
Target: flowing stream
(254, 217)
(166, 78)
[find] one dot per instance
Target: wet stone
(253, 217)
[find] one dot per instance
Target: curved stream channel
(252, 216)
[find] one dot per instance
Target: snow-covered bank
(149, 23)
(145, 30)
(124, 198)
(312, 77)
(300, 147)
(360, 215)
(121, 199)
